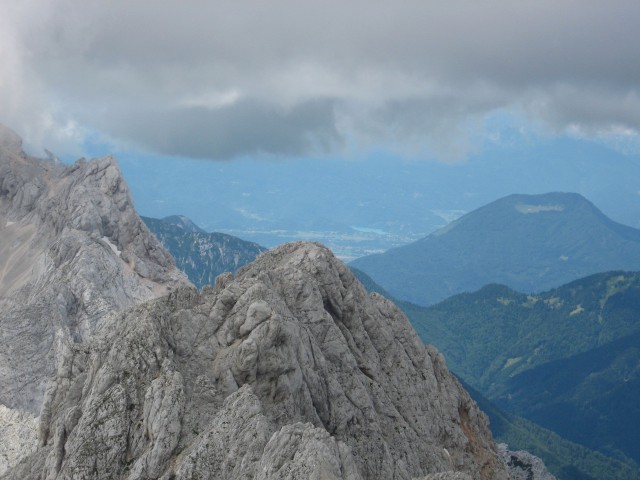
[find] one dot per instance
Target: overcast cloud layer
(217, 79)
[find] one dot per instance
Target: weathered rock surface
(447, 476)
(288, 371)
(18, 431)
(523, 465)
(72, 251)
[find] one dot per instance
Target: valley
(269, 202)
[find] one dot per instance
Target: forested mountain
(496, 333)
(201, 255)
(566, 459)
(590, 398)
(528, 242)
(567, 359)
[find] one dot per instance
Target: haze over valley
(360, 207)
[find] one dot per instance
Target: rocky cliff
(524, 466)
(72, 251)
(290, 370)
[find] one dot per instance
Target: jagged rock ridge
(290, 370)
(72, 251)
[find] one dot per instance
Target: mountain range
(113, 366)
(363, 206)
(528, 242)
(200, 255)
(605, 303)
(481, 332)
(567, 359)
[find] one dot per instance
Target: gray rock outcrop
(201, 255)
(446, 476)
(290, 370)
(523, 465)
(18, 432)
(72, 251)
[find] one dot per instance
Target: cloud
(243, 128)
(225, 78)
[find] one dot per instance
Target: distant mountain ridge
(590, 398)
(201, 255)
(529, 242)
(406, 199)
(184, 223)
(482, 333)
(567, 359)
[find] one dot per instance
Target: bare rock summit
(523, 465)
(290, 370)
(72, 251)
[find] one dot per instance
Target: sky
(221, 80)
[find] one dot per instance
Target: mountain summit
(288, 371)
(527, 242)
(72, 251)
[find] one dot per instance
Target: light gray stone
(289, 370)
(72, 251)
(162, 413)
(523, 465)
(18, 433)
(233, 444)
(446, 476)
(300, 450)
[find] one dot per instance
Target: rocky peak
(523, 465)
(10, 140)
(289, 370)
(72, 251)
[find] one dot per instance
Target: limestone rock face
(201, 255)
(72, 251)
(523, 465)
(18, 431)
(447, 476)
(290, 370)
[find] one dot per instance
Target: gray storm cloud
(226, 78)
